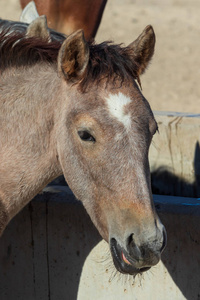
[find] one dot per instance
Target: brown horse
(67, 16)
(74, 108)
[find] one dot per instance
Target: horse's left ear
(143, 48)
(38, 28)
(73, 57)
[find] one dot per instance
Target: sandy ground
(172, 82)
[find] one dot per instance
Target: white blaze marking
(116, 105)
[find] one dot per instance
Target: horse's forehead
(117, 104)
(124, 105)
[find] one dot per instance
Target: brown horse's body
(75, 109)
(67, 16)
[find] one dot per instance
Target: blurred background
(172, 81)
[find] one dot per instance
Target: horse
(26, 28)
(76, 108)
(67, 16)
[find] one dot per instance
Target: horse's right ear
(73, 57)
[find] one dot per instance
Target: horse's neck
(27, 136)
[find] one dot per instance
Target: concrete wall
(51, 250)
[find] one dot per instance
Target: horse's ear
(143, 48)
(29, 13)
(73, 57)
(38, 28)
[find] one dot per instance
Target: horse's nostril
(130, 239)
(132, 248)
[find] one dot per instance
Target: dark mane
(106, 59)
(17, 50)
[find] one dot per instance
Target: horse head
(103, 150)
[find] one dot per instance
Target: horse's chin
(123, 262)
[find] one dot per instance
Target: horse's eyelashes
(86, 136)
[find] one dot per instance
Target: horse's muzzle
(136, 259)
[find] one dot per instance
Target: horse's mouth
(122, 260)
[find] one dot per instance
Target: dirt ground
(172, 82)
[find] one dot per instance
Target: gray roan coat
(74, 108)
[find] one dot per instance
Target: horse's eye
(86, 136)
